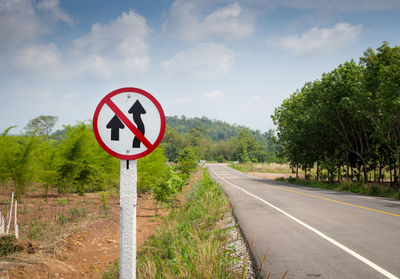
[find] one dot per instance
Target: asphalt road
(314, 233)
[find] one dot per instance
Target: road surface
(314, 233)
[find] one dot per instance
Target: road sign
(129, 123)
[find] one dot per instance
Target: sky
(234, 61)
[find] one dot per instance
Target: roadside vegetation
(64, 179)
(214, 140)
(347, 124)
(371, 189)
(262, 167)
(193, 241)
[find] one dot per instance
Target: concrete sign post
(127, 219)
(129, 124)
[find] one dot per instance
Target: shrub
(187, 161)
(220, 159)
(8, 245)
(36, 229)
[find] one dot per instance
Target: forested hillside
(218, 140)
(214, 129)
(348, 122)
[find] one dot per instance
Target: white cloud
(38, 58)
(214, 95)
(119, 46)
(19, 23)
(318, 40)
(187, 22)
(23, 23)
(53, 7)
(332, 6)
(116, 48)
(206, 60)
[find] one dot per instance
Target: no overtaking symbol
(111, 116)
(109, 122)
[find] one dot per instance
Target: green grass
(376, 190)
(191, 243)
(112, 272)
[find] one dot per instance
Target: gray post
(127, 231)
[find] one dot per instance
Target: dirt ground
(82, 248)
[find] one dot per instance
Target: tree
(382, 80)
(187, 161)
(17, 159)
(172, 143)
(245, 147)
(165, 189)
(348, 118)
(41, 125)
(151, 169)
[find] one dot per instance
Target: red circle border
(125, 90)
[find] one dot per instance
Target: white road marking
(331, 240)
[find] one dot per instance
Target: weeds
(112, 272)
(189, 245)
(376, 190)
(36, 229)
(62, 201)
(104, 203)
(76, 214)
(262, 167)
(8, 245)
(73, 215)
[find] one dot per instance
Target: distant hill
(215, 129)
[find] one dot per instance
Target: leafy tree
(47, 165)
(172, 143)
(246, 147)
(187, 161)
(18, 161)
(350, 118)
(41, 125)
(73, 152)
(151, 169)
(165, 189)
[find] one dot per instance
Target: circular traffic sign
(129, 123)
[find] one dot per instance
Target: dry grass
(263, 167)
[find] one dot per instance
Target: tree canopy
(349, 118)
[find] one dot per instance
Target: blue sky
(228, 60)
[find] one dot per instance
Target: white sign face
(129, 123)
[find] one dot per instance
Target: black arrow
(115, 124)
(137, 110)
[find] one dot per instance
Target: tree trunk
(379, 173)
(365, 172)
(317, 170)
(398, 164)
(305, 172)
(390, 172)
(347, 171)
(339, 177)
(352, 174)
(297, 171)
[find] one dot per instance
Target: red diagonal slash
(128, 123)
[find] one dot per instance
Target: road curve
(314, 233)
